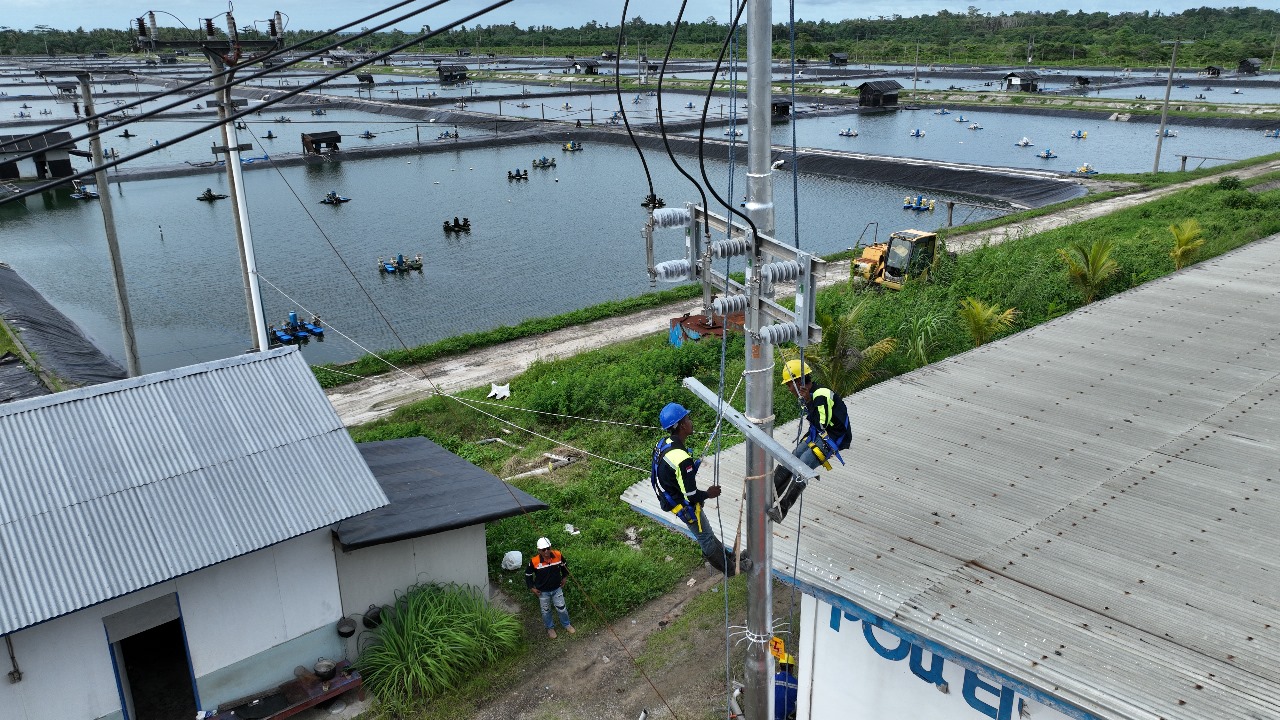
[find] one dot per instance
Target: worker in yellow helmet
(829, 433)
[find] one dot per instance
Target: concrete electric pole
(766, 324)
(1168, 88)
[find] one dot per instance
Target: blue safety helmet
(671, 415)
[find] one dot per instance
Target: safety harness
(825, 400)
(672, 456)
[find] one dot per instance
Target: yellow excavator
(908, 254)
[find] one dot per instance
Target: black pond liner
(59, 345)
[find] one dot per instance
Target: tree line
(1222, 36)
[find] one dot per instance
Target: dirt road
(376, 397)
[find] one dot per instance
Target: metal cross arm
(752, 431)
(768, 308)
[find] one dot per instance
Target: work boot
(570, 629)
(551, 633)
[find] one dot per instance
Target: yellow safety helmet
(794, 370)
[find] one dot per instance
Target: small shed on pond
(1022, 81)
(1250, 66)
(50, 162)
(452, 73)
(879, 93)
(1211, 71)
(839, 58)
(585, 67)
(168, 59)
(780, 109)
(1082, 81)
(464, 52)
(366, 78)
(67, 90)
(608, 55)
(319, 143)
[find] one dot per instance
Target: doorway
(158, 675)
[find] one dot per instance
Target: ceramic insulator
(729, 304)
(731, 247)
(781, 333)
(672, 270)
(670, 217)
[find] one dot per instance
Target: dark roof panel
(40, 142)
(431, 490)
(880, 86)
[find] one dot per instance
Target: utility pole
(1168, 88)
(759, 364)
(109, 222)
(766, 324)
(235, 180)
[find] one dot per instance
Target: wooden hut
(879, 93)
(1211, 71)
(780, 109)
(1250, 66)
(451, 74)
(1022, 81)
(585, 67)
(51, 162)
(319, 143)
(839, 58)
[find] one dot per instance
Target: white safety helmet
(544, 544)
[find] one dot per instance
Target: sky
(325, 14)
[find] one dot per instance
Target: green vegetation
(7, 344)
(369, 365)
(984, 321)
(1089, 267)
(431, 641)
(1223, 37)
(1187, 241)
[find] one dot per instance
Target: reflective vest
(824, 400)
(666, 452)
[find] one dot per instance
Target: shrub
(1230, 182)
(431, 641)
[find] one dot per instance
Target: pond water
(565, 239)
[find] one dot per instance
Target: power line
(232, 116)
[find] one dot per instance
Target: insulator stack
(209, 32)
(729, 304)
(732, 247)
(670, 217)
(672, 270)
(780, 271)
(142, 28)
(780, 333)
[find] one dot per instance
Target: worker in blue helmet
(673, 476)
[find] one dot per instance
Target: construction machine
(908, 254)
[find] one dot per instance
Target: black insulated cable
(662, 124)
(702, 127)
(652, 201)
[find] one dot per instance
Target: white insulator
(670, 217)
(672, 270)
(729, 305)
(778, 334)
(721, 249)
(780, 271)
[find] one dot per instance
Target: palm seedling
(844, 360)
(920, 339)
(984, 321)
(1186, 242)
(1089, 266)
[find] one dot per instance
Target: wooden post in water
(951, 207)
(1184, 163)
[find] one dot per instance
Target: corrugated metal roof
(112, 488)
(1090, 508)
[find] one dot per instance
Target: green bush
(1230, 182)
(431, 641)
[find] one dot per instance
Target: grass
(431, 641)
(7, 344)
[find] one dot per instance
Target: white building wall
(373, 575)
(849, 668)
(231, 611)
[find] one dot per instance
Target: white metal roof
(111, 488)
(1090, 508)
